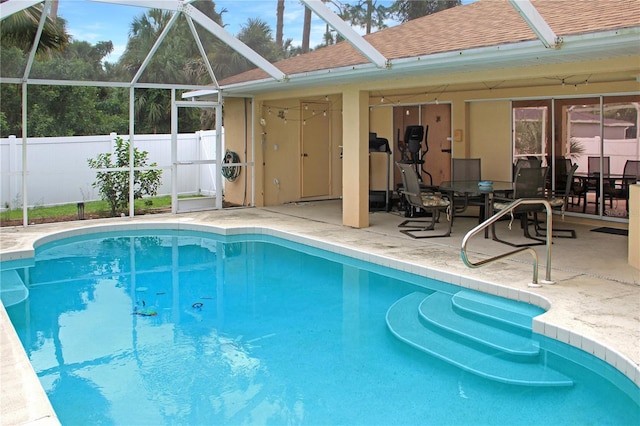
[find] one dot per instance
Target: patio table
(591, 182)
(473, 189)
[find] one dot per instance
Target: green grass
(100, 208)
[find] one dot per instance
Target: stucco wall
(483, 116)
(240, 141)
(277, 147)
(490, 138)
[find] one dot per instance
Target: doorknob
(304, 154)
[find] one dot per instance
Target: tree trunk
(53, 13)
(280, 23)
(369, 13)
(306, 30)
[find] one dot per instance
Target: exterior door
(315, 149)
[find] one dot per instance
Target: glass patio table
(472, 188)
(590, 182)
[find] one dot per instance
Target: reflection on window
(530, 138)
(619, 128)
(599, 134)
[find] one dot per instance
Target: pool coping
(38, 408)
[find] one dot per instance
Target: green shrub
(113, 186)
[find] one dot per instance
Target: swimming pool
(160, 326)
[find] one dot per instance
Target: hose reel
(230, 173)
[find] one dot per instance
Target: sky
(93, 21)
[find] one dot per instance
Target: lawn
(92, 210)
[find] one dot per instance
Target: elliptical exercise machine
(411, 148)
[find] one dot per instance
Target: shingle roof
(481, 24)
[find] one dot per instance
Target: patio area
(594, 302)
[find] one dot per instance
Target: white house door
(315, 149)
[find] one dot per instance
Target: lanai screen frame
(178, 7)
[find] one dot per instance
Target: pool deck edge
(20, 386)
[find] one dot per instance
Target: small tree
(113, 187)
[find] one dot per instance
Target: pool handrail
(509, 209)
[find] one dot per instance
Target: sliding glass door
(599, 134)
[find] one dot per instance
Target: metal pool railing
(496, 217)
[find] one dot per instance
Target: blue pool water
(184, 327)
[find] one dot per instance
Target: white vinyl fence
(58, 171)
(618, 151)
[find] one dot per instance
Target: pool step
(437, 312)
(478, 355)
(493, 310)
(12, 289)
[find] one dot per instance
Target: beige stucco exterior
(480, 105)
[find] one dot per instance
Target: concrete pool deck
(594, 305)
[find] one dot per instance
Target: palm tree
(143, 33)
(256, 34)
(171, 63)
(19, 30)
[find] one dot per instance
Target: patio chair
(576, 189)
(562, 168)
(466, 169)
(526, 163)
(558, 200)
(528, 183)
(593, 183)
(630, 175)
(421, 198)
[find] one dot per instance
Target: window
(604, 129)
(531, 130)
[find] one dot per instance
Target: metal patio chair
(422, 199)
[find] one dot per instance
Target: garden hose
(230, 173)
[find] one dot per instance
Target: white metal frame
(537, 23)
(348, 33)
(178, 7)
(217, 105)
